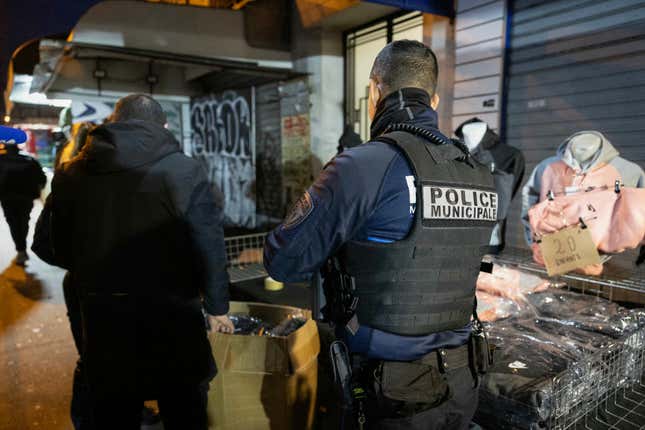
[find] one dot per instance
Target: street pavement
(37, 354)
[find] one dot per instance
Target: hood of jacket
(605, 154)
(127, 145)
(490, 138)
(407, 105)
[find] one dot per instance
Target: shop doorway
(362, 44)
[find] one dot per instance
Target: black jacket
(21, 176)
(137, 224)
(507, 158)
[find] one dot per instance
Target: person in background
(348, 139)
(74, 145)
(136, 224)
(80, 408)
(21, 181)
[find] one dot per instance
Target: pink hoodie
(616, 222)
(563, 175)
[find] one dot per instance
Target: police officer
(21, 181)
(398, 226)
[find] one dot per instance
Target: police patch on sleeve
(300, 211)
(451, 203)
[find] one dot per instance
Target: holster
(339, 294)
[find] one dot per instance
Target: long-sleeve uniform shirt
(366, 193)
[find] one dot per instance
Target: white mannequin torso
(473, 134)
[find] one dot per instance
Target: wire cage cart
(244, 257)
(605, 390)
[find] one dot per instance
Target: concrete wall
(319, 53)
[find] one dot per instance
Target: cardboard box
(265, 382)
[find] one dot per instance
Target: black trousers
(80, 410)
(17, 212)
(182, 407)
(455, 412)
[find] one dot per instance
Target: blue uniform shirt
(366, 193)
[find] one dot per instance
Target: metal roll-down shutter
(574, 65)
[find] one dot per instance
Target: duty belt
(448, 359)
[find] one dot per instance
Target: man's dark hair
(405, 63)
(138, 106)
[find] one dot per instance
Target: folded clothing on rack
(553, 333)
(493, 308)
(504, 292)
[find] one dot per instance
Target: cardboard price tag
(568, 249)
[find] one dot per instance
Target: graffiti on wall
(223, 140)
(269, 177)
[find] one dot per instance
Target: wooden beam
(312, 12)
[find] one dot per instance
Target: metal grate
(603, 391)
(619, 273)
(244, 257)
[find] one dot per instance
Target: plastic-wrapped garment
(248, 325)
(616, 220)
(557, 330)
(586, 312)
(528, 355)
(510, 283)
(288, 325)
(493, 308)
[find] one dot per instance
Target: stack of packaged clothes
(539, 332)
(253, 326)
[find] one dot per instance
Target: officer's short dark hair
(138, 106)
(406, 63)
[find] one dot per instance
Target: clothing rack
(620, 273)
(605, 390)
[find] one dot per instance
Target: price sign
(568, 249)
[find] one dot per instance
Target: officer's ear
(434, 101)
(373, 97)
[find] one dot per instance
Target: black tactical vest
(426, 283)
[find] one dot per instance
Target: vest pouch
(413, 382)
